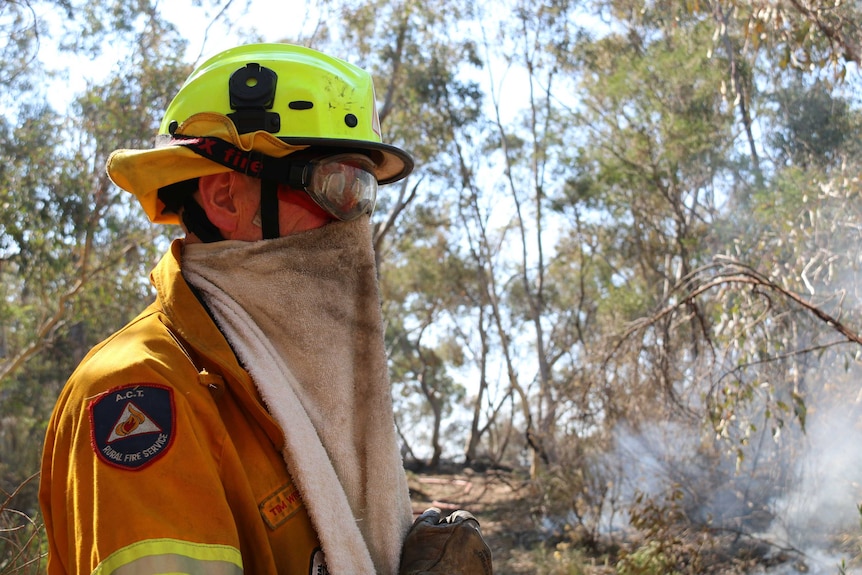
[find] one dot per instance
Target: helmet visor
(343, 185)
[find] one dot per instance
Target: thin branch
(833, 33)
(738, 273)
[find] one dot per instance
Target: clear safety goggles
(344, 185)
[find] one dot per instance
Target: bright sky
(272, 19)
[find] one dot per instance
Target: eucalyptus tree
(722, 229)
(419, 285)
(801, 248)
(74, 252)
(426, 103)
(531, 151)
(492, 175)
(69, 236)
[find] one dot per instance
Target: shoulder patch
(133, 425)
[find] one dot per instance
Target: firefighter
(242, 422)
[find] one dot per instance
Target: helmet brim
(392, 163)
(144, 172)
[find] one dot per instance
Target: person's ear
(218, 202)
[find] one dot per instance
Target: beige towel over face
(303, 315)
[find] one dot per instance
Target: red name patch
(280, 506)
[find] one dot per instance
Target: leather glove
(450, 546)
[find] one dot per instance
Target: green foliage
(814, 126)
(664, 551)
(656, 108)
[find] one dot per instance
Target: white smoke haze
(796, 504)
(819, 510)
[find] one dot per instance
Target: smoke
(793, 499)
(818, 513)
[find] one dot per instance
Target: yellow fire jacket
(160, 457)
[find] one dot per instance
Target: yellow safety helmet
(262, 101)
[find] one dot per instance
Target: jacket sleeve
(131, 480)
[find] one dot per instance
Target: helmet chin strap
(196, 221)
(269, 209)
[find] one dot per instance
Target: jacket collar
(190, 321)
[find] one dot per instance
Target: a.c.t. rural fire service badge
(132, 426)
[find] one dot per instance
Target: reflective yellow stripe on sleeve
(169, 556)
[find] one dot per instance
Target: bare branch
(733, 273)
